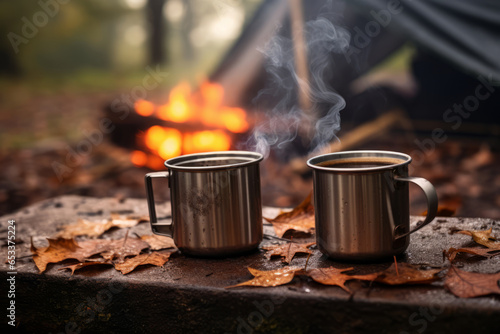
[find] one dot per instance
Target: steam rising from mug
(323, 39)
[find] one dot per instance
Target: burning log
(187, 123)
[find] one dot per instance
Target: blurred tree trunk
(187, 27)
(157, 33)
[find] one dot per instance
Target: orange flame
(178, 109)
(144, 108)
(165, 141)
(139, 158)
(204, 141)
(205, 108)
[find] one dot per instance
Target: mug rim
(314, 161)
(176, 162)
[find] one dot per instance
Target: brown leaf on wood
(61, 249)
(466, 284)
(127, 221)
(288, 251)
(96, 228)
(118, 250)
(155, 259)
(269, 277)
(85, 227)
(157, 242)
(401, 273)
(407, 274)
(484, 252)
(281, 228)
(301, 219)
(483, 238)
(80, 265)
(367, 277)
(306, 207)
(331, 276)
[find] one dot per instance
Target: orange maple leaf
(331, 276)
(269, 277)
(156, 258)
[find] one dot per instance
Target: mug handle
(158, 228)
(432, 202)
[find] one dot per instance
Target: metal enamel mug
(216, 202)
(361, 202)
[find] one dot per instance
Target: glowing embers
(179, 107)
(193, 122)
(204, 141)
(144, 108)
(167, 142)
(204, 106)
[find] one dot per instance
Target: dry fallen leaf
(96, 228)
(331, 276)
(299, 219)
(85, 227)
(483, 238)
(484, 252)
(61, 249)
(155, 258)
(407, 274)
(119, 249)
(466, 284)
(288, 251)
(157, 242)
(402, 273)
(80, 265)
(269, 277)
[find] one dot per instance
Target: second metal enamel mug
(361, 202)
(216, 202)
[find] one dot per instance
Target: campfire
(189, 122)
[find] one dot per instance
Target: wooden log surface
(188, 294)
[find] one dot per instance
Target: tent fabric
(466, 33)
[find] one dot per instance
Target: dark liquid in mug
(362, 162)
(213, 162)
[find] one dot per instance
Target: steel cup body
(216, 203)
(363, 214)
